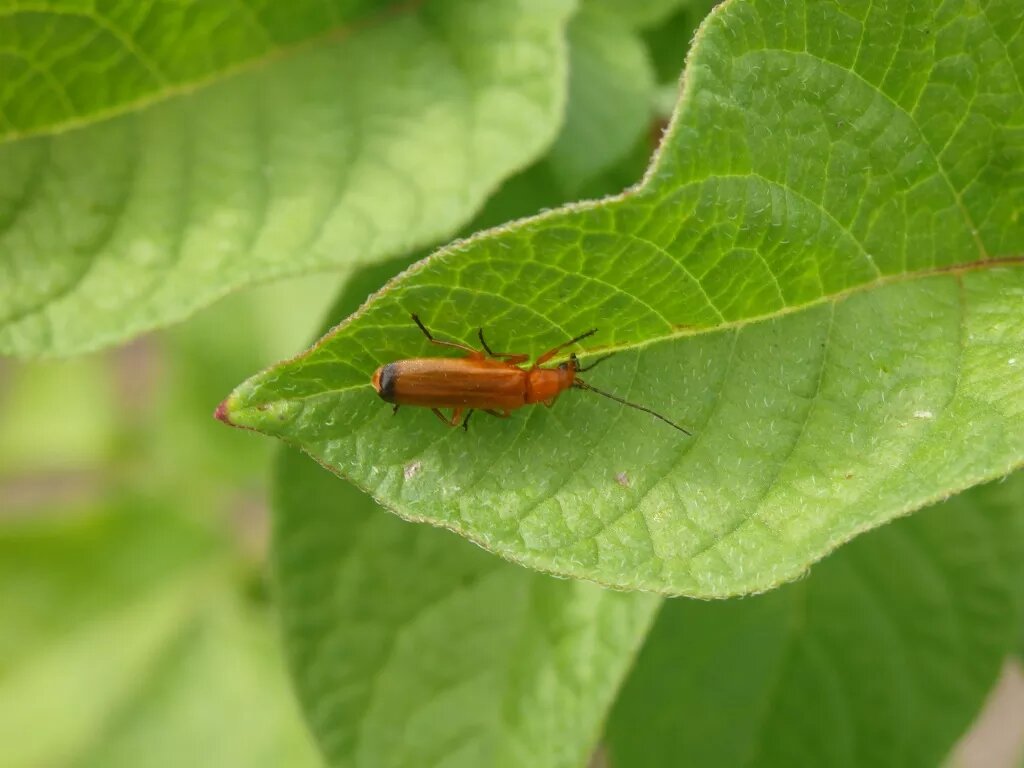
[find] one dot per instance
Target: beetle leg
(442, 343)
(465, 421)
(453, 421)
(511, 359)
(394, 410)
(504, 414)
(550, 401)
(487, 349)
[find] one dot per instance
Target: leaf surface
(410, 646)
(68, 63)
(344, 151)
(820, 276)
(882, 656)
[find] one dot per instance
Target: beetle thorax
(545, 383)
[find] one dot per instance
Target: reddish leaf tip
(221, 414)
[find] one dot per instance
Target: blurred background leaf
(364, 143)
(135, 623)
(122, 634)
(882, 656)
(68, 63)
(410, 646)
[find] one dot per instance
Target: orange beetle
(485, 380)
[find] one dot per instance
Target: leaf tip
(221, 414)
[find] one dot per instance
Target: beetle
(493, 382)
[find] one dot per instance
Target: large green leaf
(344, 151)
(820, 276)
(611, 87)
(881, 657)
(410, 646)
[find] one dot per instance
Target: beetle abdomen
(452, 383)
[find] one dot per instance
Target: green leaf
(68, 63)
(410, 646)
(883, 656)
(820, 276)
(342, 152)
(611, 89)
(666, 42)
(643, 14)
(121, 634)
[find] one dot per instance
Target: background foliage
(820, 187)
(820, 274)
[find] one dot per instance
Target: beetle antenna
(578, 384)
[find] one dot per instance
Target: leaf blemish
(622, 479)
(412, 469)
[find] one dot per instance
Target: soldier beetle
(485, 380)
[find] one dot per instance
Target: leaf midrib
(681, 331)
